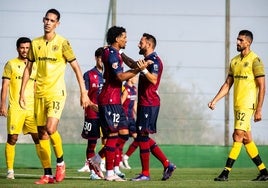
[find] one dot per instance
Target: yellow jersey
(50, 58)
(13, 71)
(244, 71)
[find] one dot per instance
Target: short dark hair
(246, 33)
(54, 11)
(99, 52)
(22, 40)
(114, 32)
(151, 38)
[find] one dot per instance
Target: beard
(239, 48)
(142, 51)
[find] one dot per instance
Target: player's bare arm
(84, 100)
(26, 76)
(129, 61)
(260, 82)
(222, 92)
(4, 91)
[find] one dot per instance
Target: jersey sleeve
(30, 55)
(67, 51)
(7, 71)
(258, 67)
(230, 71)
(114, 63)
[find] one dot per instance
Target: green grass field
(197, 166)
(182, 177)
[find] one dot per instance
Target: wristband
(144, 71)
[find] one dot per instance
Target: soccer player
(91, 129)
(129, 101)
(112, 116)
(148, 108)
(50, 53)
(18, 119)
(246, 73)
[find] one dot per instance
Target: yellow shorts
(48, 107)
(242, 118)
(19, 120)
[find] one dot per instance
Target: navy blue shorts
(112, 118)
(91, 129)
(131, 125)
(146, 119)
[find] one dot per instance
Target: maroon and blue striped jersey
(113, 64)
(93, 82)
(147, 91)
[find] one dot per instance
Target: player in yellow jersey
(18, 119)
(51, 53)
(246, 73)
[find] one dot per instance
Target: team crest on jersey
(246, 64)
(55, 47)
(115, 65)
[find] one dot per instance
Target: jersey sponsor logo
(47, 59)
(146, 115)
(241, 77)
(19, 77)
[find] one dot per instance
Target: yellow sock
(234, 153)
(252, 149)
(45, 153)
(10, 156)
(253, 152)
(57, 144)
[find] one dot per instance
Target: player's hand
(257, 115)
(84, 100)
(149, 62)
(142, 64)
(212, 105)
(3, 111)
(94, 107)
(22, 102)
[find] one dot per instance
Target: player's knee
(12, 139)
